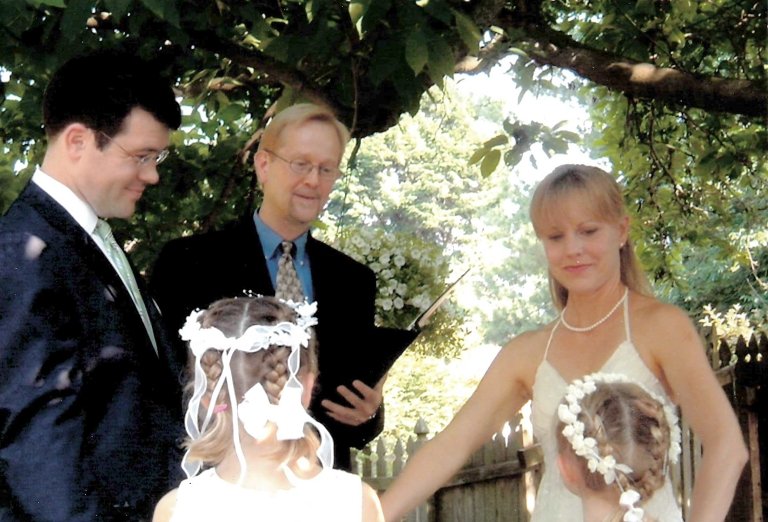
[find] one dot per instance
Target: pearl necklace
(599, 322)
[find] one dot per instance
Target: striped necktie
(288, 284)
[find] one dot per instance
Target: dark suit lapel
(322, 282)
(76, 240)
(253, 265)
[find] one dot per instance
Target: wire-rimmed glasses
(304, 168)
(157, 157)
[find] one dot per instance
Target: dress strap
(626, 319)
(549, 341)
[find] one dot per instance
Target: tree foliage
(372, 59)
(677, 90)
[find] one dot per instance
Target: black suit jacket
(192, 272)
(90, 416)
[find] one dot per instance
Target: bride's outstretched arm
(501, 393)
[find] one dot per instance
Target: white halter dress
(331, 496)
(553, 500)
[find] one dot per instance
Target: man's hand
(364, 404)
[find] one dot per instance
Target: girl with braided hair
(263, 457)
(615, 441)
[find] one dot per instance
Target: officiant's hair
(601, 193)
(298, 115)
(266, 367)
(628, 424)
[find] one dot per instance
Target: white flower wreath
(586, 447)
(254, 409)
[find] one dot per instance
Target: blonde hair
(603, 195)
(298, 115)
(629, 424)
(266, 367)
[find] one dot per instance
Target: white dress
(553, 500)
(331, 496)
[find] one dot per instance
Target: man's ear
(261, 165)
(75, 138)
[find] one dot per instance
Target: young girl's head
(600, 194)
(254, 366)
(615, 440)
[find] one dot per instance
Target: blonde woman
(608, 322)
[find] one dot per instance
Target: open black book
(387, 344)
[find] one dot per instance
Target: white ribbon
(255, 410)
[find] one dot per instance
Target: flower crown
(586, 447)
(254, 409)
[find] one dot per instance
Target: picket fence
(499, 481)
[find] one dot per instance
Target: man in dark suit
(297, 164)
(90, 404)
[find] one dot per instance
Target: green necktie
(120, 262)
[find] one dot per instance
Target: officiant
(272, 252)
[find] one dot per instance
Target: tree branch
(645, 80)
(638, 79)
(272, 70)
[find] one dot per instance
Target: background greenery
(675, 92)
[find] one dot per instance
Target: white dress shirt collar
(64, 196)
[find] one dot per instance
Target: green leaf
(496, 141)
(387, 57)
(312, 8)
(118, 8)
(512, 157)
(164, 10)
(52, 3)
(490, 162)
(478, 155)
(416, 51)
(569, 136)
(374, 13)
(74, 17)
(468, 32)
(357, 9)
(518, 52)
(441, 61)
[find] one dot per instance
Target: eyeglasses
(141, 159)
(305, 168)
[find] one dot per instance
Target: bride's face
(582, 249)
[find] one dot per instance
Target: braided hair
(266, 367)
(630, 425)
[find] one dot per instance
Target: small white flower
(628, 500)
(565, 414)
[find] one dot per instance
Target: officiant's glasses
(304, 168)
